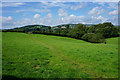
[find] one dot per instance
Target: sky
(18, 14)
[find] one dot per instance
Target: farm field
(46, 56)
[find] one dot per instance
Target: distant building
(63, 27)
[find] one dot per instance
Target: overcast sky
(17, 14)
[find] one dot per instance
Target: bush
(30, 32)
(94, 38)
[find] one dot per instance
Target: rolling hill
(34, 27)
(36, 56)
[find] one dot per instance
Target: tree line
(94, 34)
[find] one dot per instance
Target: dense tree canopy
(94, 33)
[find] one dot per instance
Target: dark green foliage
(92, 37)
(38, 29)
(67, 26)
(91, 29)
(49, 28)
(107, 30)
(92, 33)
(78, 31)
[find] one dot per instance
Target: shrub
(94, 38)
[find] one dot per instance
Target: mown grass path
(61, 55)
(42, 56)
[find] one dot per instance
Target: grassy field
(43, 56)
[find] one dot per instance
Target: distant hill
(31, 27)
(70, 25)
(64, 26)
(87, 32)
(35, 27)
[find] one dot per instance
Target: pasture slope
(45, 56)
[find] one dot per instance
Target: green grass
(43, 56)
